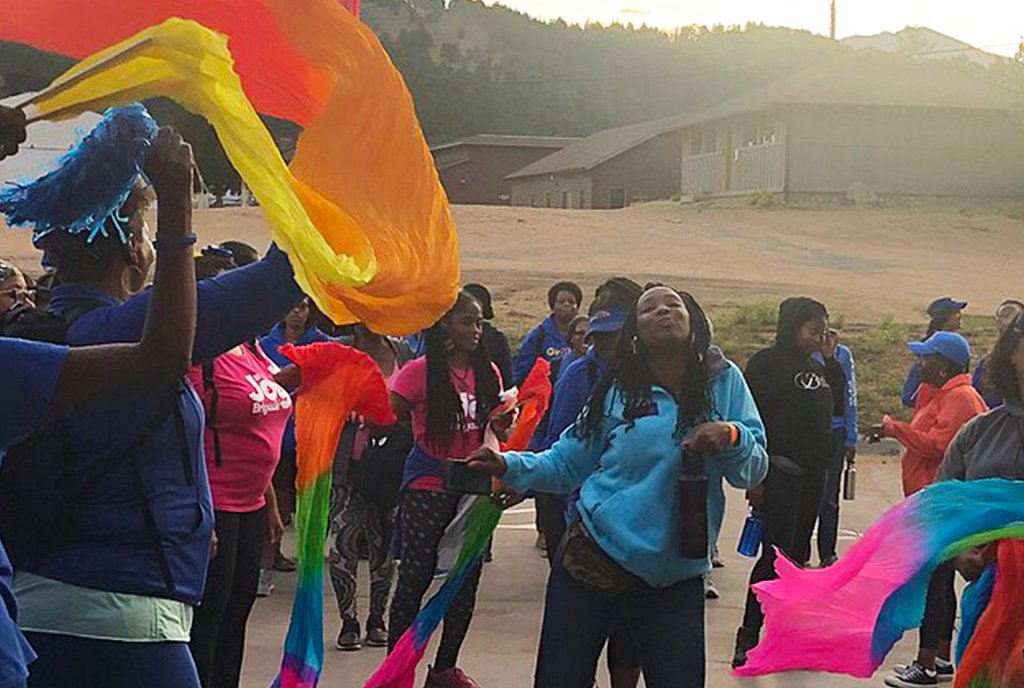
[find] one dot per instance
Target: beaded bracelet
(181, 242)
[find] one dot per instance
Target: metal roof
(865, 78)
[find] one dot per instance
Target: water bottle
(850, 483)
(752, 535)
(693, 507)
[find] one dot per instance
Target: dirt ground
(865, 263)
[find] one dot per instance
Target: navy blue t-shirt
(28, 374)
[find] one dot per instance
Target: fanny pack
(589, 565)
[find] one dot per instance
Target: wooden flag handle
(32, 113)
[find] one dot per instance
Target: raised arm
(92, 375)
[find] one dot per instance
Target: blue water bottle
(753, 533)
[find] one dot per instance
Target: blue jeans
(666, 625)
(65, 662)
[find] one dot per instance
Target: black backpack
(38, 497)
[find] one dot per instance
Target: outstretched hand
(486, 460)
(12, 131)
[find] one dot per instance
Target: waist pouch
(589, 565)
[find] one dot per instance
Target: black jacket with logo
(795, 395)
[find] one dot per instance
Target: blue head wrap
(91, 183)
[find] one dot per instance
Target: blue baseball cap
(606, 320)
(945, 306)
(949, 345)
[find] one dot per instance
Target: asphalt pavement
(502, 643)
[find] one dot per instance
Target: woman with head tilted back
(670, 421)
(448, 395)
(111, 603)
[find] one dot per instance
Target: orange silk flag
(277, 77)
(533, 399)
(362, 151)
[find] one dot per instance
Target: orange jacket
(938, 416)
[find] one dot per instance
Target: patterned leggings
(424, 516)
(354, 520)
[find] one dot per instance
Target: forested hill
(474, 68)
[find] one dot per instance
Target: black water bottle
(693, 507)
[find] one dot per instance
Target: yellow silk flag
(367, 226)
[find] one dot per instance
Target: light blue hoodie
(629, 474)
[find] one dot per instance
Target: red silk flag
(279, 80)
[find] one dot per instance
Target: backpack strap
(210, 388)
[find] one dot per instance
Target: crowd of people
(149, 469)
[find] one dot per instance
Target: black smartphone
(459, 478)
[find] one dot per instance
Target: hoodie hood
(794, 313)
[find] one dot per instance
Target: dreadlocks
(445, 414)
(630, 375)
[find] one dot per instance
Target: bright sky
(993, 25)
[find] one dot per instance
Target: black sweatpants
(424, 516)
(218, 626)
(792, 498)
(940, 609)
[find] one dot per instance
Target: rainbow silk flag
(846, 618)
(361, 212)
(399, 668)
(336, 381)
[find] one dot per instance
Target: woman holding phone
(447, 395)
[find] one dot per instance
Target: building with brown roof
(607, 170)
(889, 124)
(473, 169)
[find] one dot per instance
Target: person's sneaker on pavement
(348, 638)
(944, 670)
(449, 678)
(376, 633)
(710, 591)
(912, 676)
(746, 640)
(828, 561)
(283, 563)
(266, 584)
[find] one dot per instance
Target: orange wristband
(734, 434)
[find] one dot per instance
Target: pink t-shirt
(411, 384)
(252, 411)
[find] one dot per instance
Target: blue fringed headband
(91, 183)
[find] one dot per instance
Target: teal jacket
(629, 473)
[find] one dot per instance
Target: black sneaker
(912, 676)
(944, 670)
(376, 633)
(348, 639)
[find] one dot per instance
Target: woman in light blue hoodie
(670, 402)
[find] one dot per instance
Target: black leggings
(218, 627)
(792, 499)
(940, 609)
(424, 516)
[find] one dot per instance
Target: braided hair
(631, 376)
(445, 414)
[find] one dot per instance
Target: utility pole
(832, 24)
